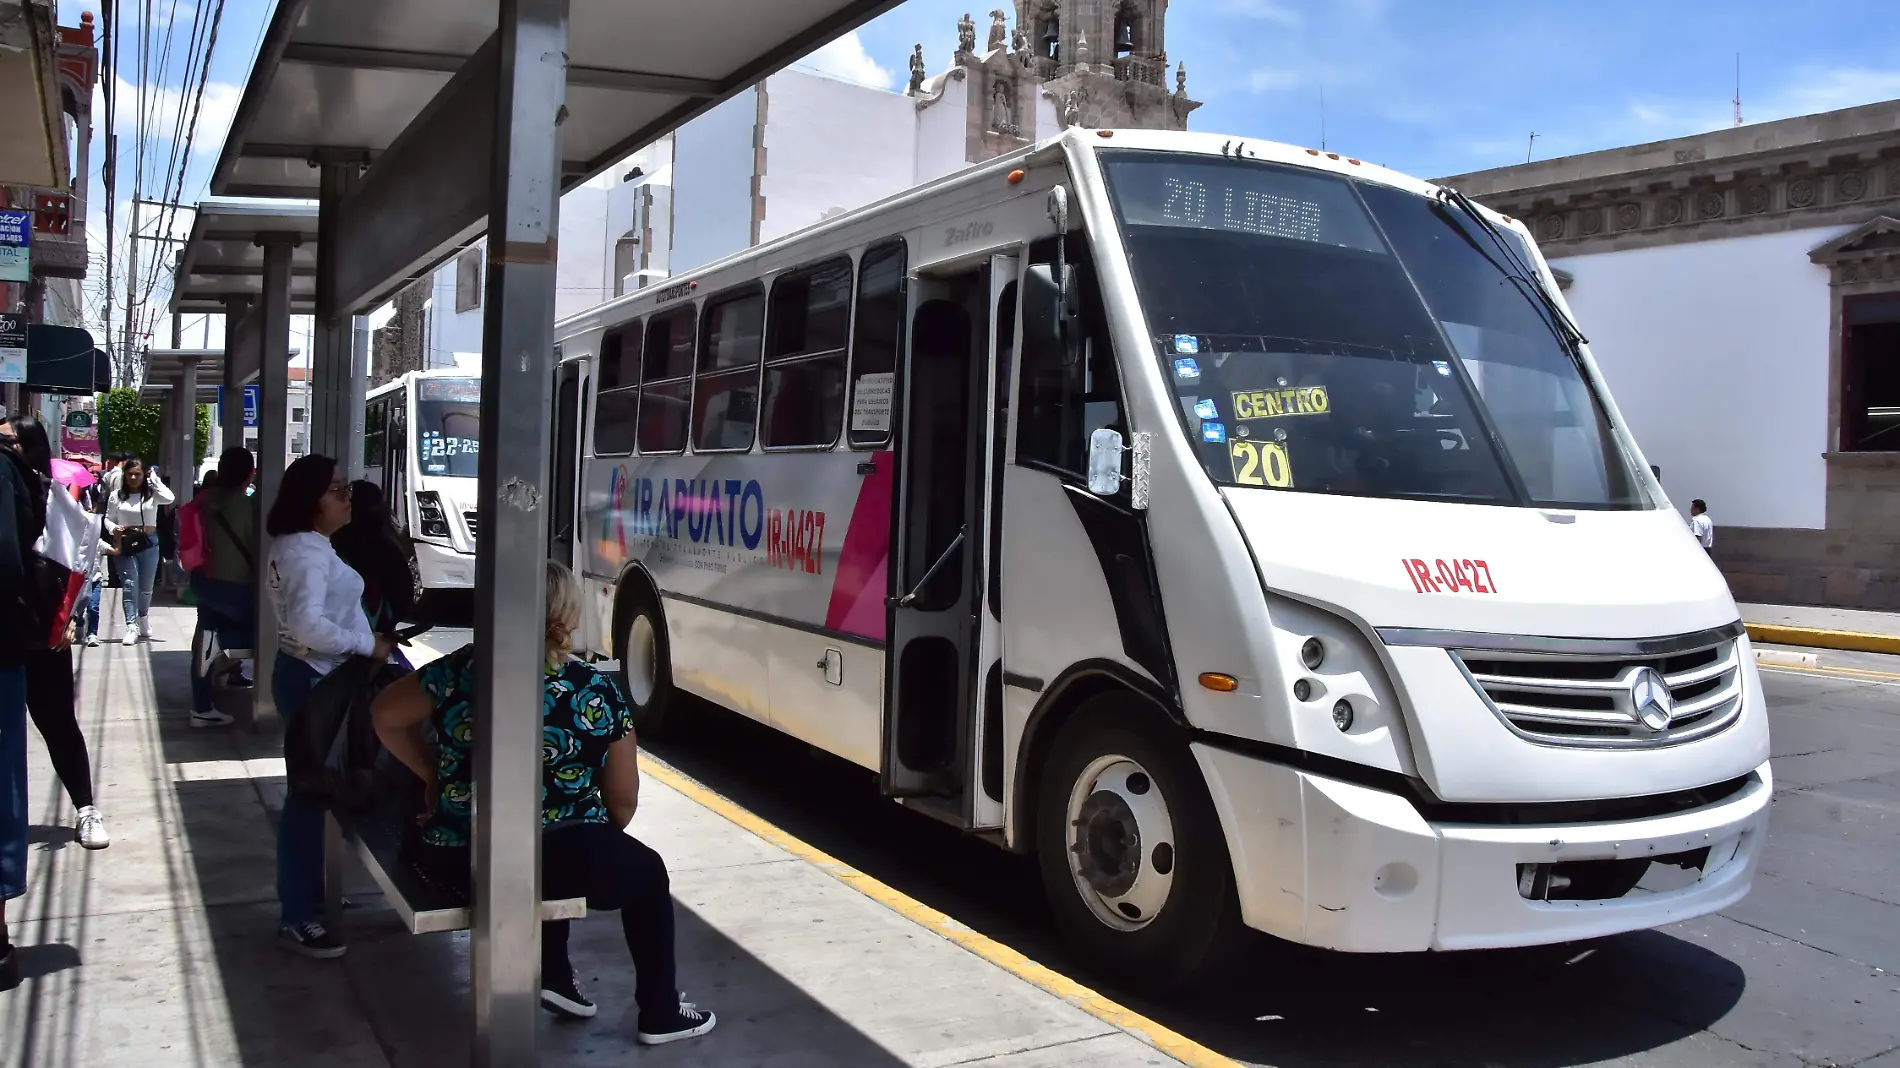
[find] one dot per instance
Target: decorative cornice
(1868, 253)
(935, 90)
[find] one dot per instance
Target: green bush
(127, 424)
(200, 436)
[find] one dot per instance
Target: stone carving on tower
(1096, 64)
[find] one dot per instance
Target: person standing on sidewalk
(22, 520)
(320, 625)
(1701, 525)
(50, 695)
(132, 522)
(224, 586)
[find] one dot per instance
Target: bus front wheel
(1132, 857)
(646, 676)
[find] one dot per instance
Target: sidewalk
(160, 951)
(1823, 628)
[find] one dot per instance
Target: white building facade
(1741, 291)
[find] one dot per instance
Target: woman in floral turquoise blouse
(590, 788)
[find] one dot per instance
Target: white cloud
(1265, 10)
(846, 59)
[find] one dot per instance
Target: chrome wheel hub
(1120, 842)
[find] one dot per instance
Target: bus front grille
(1610, 701)
(473, 519)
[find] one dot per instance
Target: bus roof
(406, 377)
(1075, 139)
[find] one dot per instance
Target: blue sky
(1428, 88)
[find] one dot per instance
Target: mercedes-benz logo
(1651, 700)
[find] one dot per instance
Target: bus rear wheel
(1132, 858)
(646, 676)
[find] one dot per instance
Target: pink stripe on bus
(858, 591)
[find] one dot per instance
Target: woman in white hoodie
(132, 523)
(318, 602)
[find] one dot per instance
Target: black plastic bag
(331, 752)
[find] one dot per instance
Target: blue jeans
(300, 831)
(137, 572)
(228, 610)
(12, 782)
(92, 608)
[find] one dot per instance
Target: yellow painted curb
(1170, 1042)
(1814, 637)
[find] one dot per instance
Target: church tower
(1099, 64)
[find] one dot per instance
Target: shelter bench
(426, 905)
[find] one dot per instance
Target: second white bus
(421, 439)
(1243, 529)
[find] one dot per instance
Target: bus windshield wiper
(1520, 273)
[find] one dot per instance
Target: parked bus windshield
(448, 425)
(1336, 336)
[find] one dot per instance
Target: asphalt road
(1805, 971)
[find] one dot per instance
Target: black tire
(646, 683)
(1198, 923)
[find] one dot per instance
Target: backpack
(192, 553)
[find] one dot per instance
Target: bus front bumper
(442, 568)
(1334, 864)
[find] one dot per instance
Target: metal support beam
(333, 340)
(185, 474)
(416, 202)
(359, 387)
(231, 405)
(356, 58)
(273, 415)
(510, 587)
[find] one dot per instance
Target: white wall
(831, 146)
(942, 132)
(712, 183)
(1717, 354)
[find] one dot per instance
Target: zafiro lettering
(970, 231)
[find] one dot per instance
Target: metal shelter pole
(510, 587)
(231, 404)
(184, 477)
(273, 373)
(331, 341)
(352, 422)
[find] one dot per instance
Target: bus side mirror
(1049, 310)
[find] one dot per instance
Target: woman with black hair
(320, 625)
(370, 546)
(49, 672)
(225, 586)
(132, 524)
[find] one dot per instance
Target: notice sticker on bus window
(1204, 409)
(1444, 367)
(1214, 432)
(1187, 369)
(1187, 344)
(871, 402)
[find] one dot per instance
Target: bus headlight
(435, 523)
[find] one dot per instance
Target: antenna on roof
(1738, 88)
(1528, 149)
(1322, 118)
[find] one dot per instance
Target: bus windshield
(1330, 335)
(448, 426)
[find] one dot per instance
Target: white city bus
(420, 444)
(1243, 529)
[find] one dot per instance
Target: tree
(127, 424)
(200, 435)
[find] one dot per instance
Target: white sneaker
(91, 828)
(92, 641)
(210, 719)
(131, 638)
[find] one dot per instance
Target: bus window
(617, 395)
(726, 395)
(804, 356)
(666, 381)
(373, 440)
(1063, 403)
(878, 336)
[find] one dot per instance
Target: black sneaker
(311, 940)
(566, 999)
(687, 1021)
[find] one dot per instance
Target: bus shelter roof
(222, 258)
(340, 81)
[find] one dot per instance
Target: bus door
(941, 636)
(570, 387)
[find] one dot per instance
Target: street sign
(252, 395)
(12, 347)
(16, 240)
